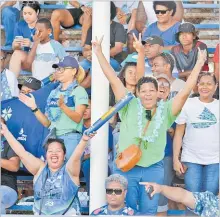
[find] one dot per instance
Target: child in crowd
(44, 53)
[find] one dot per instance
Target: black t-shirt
(8, 178)
(117, 34)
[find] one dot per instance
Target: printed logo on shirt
(45, 57)
(207, 119)
(7, 113)
(22, 136)
(54, 102)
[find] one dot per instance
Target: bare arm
(11, 164)
(7, 3)
(177, 144)
(137, 44)
(178, 195)
(118, 48)
(216, 70)
(32, 163)
(30, 102)
(182, 96)
(178, 16)
(75, 4)
(74, 163)
(117, 86)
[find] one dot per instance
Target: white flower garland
(159, 118)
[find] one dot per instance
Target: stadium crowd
(173, 119)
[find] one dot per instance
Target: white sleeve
(183, 116)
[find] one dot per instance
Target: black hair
(113, 11)
(171, 5)
(32, 4)
(169, 59)
(121, 75)
(46, 22)
(147, 79)
(51, 140)
(202, 74)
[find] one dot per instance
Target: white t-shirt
(177, 85)
(201, 139)
(151, 16)
(44, 59)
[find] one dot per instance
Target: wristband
(35, 110)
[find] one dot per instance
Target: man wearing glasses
(116, 189)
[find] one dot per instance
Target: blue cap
(67, 61)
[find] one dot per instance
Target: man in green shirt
(135, 117)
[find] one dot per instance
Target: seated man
(44, 53)
(67, 18)
(153, 46)
(117, 41)
(9, 17)
(186, 52)
(9, 164)
(116, 188)
(204, 204)
(30, 84)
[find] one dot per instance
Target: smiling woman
(56, 182)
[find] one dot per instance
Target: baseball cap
(153, 40)
(69, 61)
(163, 76)
(31, 83)
(186, 27)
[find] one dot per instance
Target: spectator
(153, 46)
(44, 53)
(51, 195)
(86, 158)
(30, 84)
(126, 14)
(67, 18)
(25, 29)
(197, 132)
(166, 26)
(117, 41)
(203, 204)
(10, 163)
(186, 52)
(150, 166)
(116, 189)
(164, 64)
(164, 86)
(216, 60)
(9, 16)
(65, 104)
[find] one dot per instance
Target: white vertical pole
(100, 104)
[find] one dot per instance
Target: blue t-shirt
(169, 145)
(168, 36)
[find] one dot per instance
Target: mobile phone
(18, 37)
(149, 191)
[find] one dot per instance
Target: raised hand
(137, 44)
(86, 138)
(97, 45)
(28, 101)
(202, 56)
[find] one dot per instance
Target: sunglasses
(161, 11)
(165, 84)
(116, 191)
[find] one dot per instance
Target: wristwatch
(35, 110)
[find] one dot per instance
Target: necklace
(159, 118)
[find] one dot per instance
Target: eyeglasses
(28, 2)
(116, 191)
(161, 11)
(202, 84)
(62, 69)
(165, 84)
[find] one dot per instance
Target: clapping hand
(137, 44)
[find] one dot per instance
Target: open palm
(28, 101)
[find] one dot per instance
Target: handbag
(128, 158)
